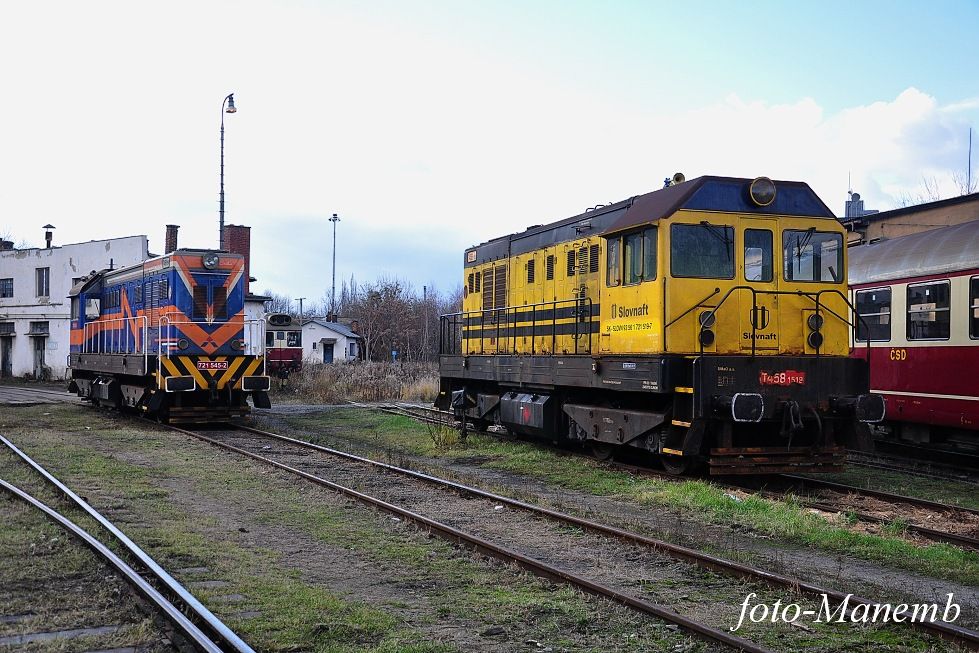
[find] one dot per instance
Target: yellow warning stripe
(232, 368)
(672, 452)
(678, 422)
(684, 390)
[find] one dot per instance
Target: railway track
(944, 512)
(191, 622)
(301, 449)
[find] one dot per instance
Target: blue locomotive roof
(708, 193)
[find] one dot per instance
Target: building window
(874, 306)
(38, 329)
(353, 350)
(758, 255)
(43, 277)
(6, 288)
(703, 250)
(928, 311)
(6, 328)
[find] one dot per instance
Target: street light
(227, 106)
(333, 292)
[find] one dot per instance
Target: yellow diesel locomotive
(706, 322)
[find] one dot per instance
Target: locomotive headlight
(210, 260)
(815, 339)
(815, 321)
(707, 320)
(762, 191)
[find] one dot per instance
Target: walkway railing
(460, 332)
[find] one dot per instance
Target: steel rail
(499, 552)
(215, 628)
(932, 534)
(964, 636)
(878, 494)
(172, 613)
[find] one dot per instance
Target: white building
(329, 342)
(34, 310)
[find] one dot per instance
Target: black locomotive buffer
(749, 374)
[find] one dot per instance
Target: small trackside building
(330, 342)
(34, 310)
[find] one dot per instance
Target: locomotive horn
(678, 178)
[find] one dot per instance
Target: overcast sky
(431, 126)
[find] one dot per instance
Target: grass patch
(784, 520)
(168, 483)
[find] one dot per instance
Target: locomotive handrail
(504, 317)
(110, 340)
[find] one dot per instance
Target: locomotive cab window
(270, 338)
(639, 250)
(758, 255)
(294, 339)
(613, 276)
(928, 311)
(812, 255)
(974, 307)
(874, 306)
(702, 250)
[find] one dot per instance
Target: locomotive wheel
(678, 465)
(602, 450)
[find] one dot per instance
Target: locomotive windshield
(812, 256)
(702, 250)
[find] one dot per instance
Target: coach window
(874, 306)
(702, 250)
(974, 307)
(812, 255)
(757, 255)
(613, 276)
(928, 311)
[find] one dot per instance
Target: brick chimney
(171, 241)
(238, 240)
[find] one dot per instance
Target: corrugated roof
(938, 251)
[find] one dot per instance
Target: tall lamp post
(227, 106)
(300, 300)
(333, 292)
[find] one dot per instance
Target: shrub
(361, 381)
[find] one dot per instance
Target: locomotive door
(759, 309)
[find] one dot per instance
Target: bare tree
(964, 186)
